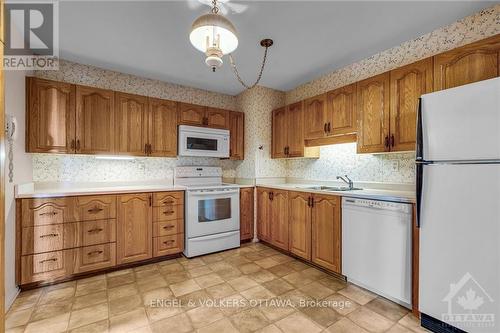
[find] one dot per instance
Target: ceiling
(150, 38)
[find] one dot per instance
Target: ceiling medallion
(215, 35)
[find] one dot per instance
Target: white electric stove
(212, 210)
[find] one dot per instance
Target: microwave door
(197, 143)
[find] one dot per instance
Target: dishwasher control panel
(368, 203)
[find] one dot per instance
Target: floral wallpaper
(475, 27)
(257, 104)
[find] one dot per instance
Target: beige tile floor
(251, 289)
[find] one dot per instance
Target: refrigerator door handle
(419, 144)
(419, 183)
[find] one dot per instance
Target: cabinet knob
(49, 235)
(95, 230)
(91, 253)
(48, 260)
(168, 227)
(392, 140)
(386, 142)
(325, 128)
(329, 127)
(95, 210)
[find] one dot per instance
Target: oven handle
(213, 192)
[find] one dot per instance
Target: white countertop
(376, 194)
(47, 190)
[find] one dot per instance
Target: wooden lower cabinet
(246, 213)
(326, 232)
(264, 213)
(279, 219)
(299, 215)
(135, 228)
(59, 238)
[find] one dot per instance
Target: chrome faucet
(347, 180)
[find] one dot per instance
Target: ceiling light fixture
(215, 35)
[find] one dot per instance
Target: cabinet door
(373, 114)
(217, 118)
(134, 228)
(237, 135)
(471, 63)
(246, 213)
(295, 130)
(95, 121)
(279, 135)
(132, 123)
(315, 117)
(341, 110)
(263, 214)
(407, 84)
(191, 114)
(326, 232)
(51, 116)
(279, 219)
(162, 132)
(299, 214)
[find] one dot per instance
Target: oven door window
(194, 143)
(211, 210)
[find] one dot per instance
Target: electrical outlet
(394, 165)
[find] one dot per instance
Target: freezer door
(460, 244)
(462, 123)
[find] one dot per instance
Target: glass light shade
(212, 27)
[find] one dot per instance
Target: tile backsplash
(342, 159)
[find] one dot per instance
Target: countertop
(376, 194)
(51, 190)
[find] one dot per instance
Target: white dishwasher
(376, 247)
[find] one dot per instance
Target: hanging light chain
(233, 65)
(215, 8)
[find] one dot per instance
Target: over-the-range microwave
(203, 141)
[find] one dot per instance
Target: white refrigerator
(458, 208)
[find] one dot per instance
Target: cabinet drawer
(162, 199)
(89, 233)
(94, 257)
(168, 245)
(48, 211)
(96, 207)
(46, 266)
(43, 238)
(168, 213)
(165, 228)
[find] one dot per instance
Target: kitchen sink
(330, 188)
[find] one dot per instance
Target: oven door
(212, 212)
(204, 142)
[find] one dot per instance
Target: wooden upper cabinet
(279, 219)
(134, 228)
(315, 117)
(131, 114)
(237, 135)
(326, 232)
(191, 114)
(246, 213)
(341, 110)
(51, 116)
(162, 128)
(263, 214)
(299, 214)
(408, 83)
(217, 118)
(95, 120)
(295, 130)
(279, 133)
(471, 63)
(373, 114)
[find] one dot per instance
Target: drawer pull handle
(49, 235)
(48, 260)
(167, 202)
(167, 227)
(95, 230)
(91, 253)
(95, 210)
(48, 213)
(168, 212)
(169, 242)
